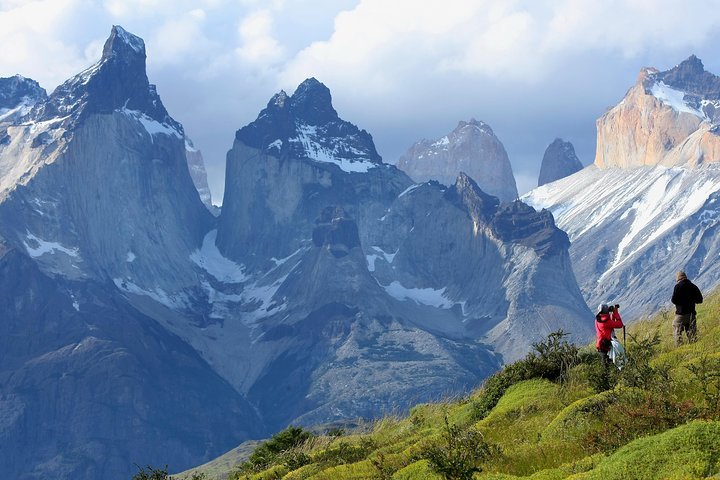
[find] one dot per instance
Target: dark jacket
(685, 296)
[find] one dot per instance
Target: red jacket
(605, 323)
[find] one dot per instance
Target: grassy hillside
(557, 414)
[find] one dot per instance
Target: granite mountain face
(143, 329)
(559, 161)
(472, 148)
(667, 118)
(649, 205)
(96, 202)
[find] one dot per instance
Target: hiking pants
(685, 323)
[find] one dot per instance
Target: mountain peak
(312, 102)
(278, 100)
(466, 193)
(305, 125)
(472, 148)
(123, 44)
(478, 124)
(691, 65)
(118, 81)
(559, 161)
(689, 77)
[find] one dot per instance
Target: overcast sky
(401, 69)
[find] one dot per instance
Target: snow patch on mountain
(424, 296)
(174, 301)
(37, 247)
(213, 262)
(153, 127)
(308, 137)
(674, 99)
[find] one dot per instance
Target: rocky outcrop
(668, 118)
(559, 161)
(471, 148)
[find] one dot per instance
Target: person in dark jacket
(606, 321)
(685, 296)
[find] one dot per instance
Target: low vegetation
(556, 414)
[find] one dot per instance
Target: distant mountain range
(139, 326)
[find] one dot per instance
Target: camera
(612, 308)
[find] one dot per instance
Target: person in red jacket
(606, 320)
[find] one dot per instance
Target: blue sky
(401, 69)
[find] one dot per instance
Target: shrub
(271, 451)
(637, 413)
(638, 372)
(459, 453)
(706, 371)
(160, 474)
(550, 359)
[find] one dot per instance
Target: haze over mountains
(139, 328)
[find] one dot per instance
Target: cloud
(518, 39)
(179, 38)
(258, 45)
(38, 39)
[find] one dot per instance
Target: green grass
(660, 418)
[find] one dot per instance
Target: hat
(680, 275)
(603, 308)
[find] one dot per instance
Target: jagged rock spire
(117, 81)
(558, 162)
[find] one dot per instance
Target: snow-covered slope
(631, 229)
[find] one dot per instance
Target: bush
(271, 451)
(458, 455)
(638, 372)
(550, 359)
(706, 372)
(160, 474)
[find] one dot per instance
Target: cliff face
(667, 118)
(472, 148)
